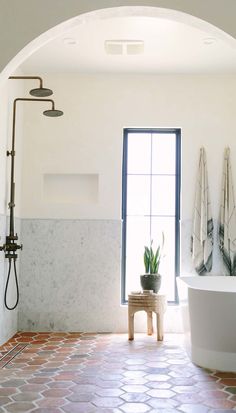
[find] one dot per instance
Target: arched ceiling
(135, 44)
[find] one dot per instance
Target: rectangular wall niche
(70, 188)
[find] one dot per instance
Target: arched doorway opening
(74, 151)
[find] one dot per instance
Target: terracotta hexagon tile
(109, 392)
(83, 397)
(193, 408)
(17, 407)
(13, 383)
(33, 387)
(222, 411)
(158, 385)
(51, 402)
(79, 408)
(107, 401)
(231, 382)
(84, 388)
(161, 394)
(135, 388)
(220, 403)
(162, 403)
(4, 400)
(135, 397)
(135, 408)
(26, 396)
(60, 384)
(226, 375)
(157, 377)
(182, 381)
(138, 380)
(214, 394)
(185, 389)
(109, 384)
(205, 377)
(134, 374)
(39, 380)
(189, 398)
(8, 391)
(47, 410)
(66, 376)
(56, 393)
(203, 385)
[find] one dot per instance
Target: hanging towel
(202, 236)
(227, 227)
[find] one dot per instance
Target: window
(150, 204)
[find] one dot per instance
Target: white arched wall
(26, 26)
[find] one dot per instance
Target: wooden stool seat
(151, 303)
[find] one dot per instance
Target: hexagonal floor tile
(135, 408)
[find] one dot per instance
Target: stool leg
(130, 324)
(159, 327)
(149, 323)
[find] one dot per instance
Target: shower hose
(7, 284)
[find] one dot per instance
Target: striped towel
(202, 236)
(227, 226)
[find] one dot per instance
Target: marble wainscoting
(70, 276)
(186, 263)
(8, 319)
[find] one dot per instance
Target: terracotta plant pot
(151, 282)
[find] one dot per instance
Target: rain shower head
(53, 113)
(41, 92)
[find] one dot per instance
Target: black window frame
(126, 132)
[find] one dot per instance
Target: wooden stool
(150, 303)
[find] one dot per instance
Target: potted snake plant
(151, 280)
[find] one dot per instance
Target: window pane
(167, 266)
(138, 195)
(150, 206)
(137, 236)
(139, 153)
(163, 195)
(163, 153)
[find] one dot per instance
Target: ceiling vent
(124, 47)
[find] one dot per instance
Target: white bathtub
(208, 307)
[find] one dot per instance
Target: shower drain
(12, 354)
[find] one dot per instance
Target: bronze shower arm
(29, 77)
(14, 115)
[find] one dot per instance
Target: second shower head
(53, 113)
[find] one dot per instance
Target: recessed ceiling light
(209, 40)
(122, 47)
(69, 41)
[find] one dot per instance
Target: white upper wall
(87, 141)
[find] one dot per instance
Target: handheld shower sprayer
(11, 246)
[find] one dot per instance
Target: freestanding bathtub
(208, 308)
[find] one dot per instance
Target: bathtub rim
(208, 281)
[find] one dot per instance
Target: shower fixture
(39, 92)
(11, 246)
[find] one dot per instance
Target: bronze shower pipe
(12, 154)
(29, 77)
